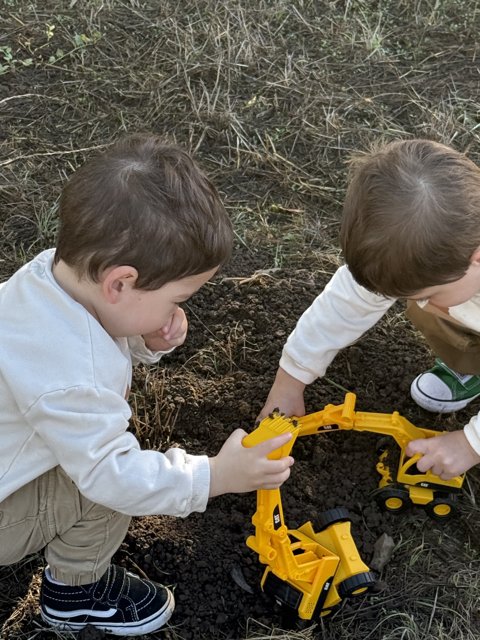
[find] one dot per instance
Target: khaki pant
(456, 345)
(79, 536)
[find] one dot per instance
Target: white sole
(119, 629)
(434, 405)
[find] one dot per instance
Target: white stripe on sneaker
(80, 612)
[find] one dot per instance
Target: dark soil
(203, 554)
(271, 97)
(218, 381)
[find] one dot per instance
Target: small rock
(90, 633)
(382, 553)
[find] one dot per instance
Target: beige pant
(79, 536)
(456, 345)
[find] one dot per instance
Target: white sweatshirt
(342, 313)
(63, 388)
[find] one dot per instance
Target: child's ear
(116, 281)
(475, 259)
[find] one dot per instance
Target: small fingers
(421, 466)
(424, 464)
(278, 472)
(446, 475)
(175, 325)
(277, 466)
(437, 469)
(416, 446)
(276, 480)
(266, 447)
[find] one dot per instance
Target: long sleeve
(85, 430)
(336, 318)
(141, 353)
(472, 433)
(63, 387)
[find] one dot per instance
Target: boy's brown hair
(145, 204)
(411, 217)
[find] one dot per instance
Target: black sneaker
(119, 603)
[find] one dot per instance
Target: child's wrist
(213, 489)
(288, 382)
(158, 344)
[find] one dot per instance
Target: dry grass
(271, 96)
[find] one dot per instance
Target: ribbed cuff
(288, 365)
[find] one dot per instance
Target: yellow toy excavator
(437, 496)
(310, 572)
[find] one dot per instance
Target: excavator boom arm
(344, 417)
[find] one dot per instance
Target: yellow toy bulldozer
(310, 572)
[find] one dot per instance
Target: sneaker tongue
(463, 378)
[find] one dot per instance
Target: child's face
(453, 293)
(142, 312)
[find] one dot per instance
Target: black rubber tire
(356, 585)
(442, 508)
(393, 499)
(326, 518)
(383, 444)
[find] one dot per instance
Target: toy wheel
(356, 585)
(393, 499)
(332, 516)
(442, 508)
(327, 612)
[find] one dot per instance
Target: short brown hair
(145, 204)
(411, 217)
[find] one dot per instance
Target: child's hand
(286, 395)
(238, 469)
(447, 456)
(172, 334)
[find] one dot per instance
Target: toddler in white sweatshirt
(410, 229)
(141, 230)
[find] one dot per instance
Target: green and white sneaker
(442, 390)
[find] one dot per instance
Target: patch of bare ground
(271, 97)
